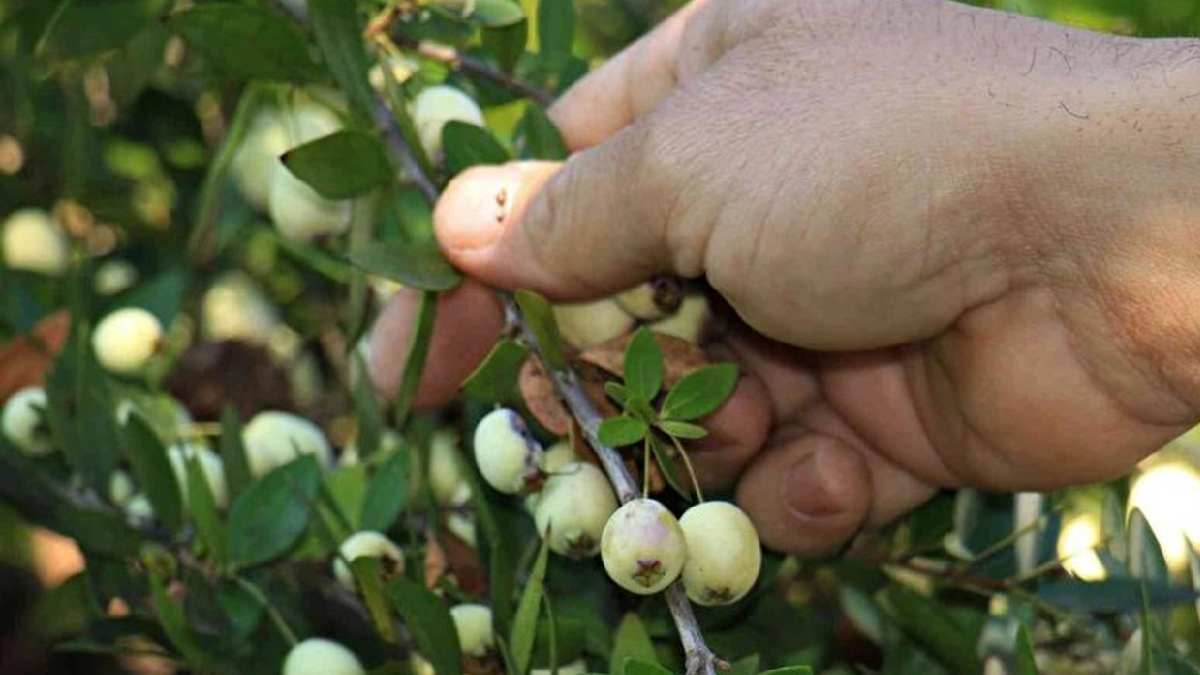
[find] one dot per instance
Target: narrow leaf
(1024, 659)
(247, 42)
(368, 574)
(622, 430)
(542, 139)
(466, 145)
(556, 28)
(539, 317)
(418, 352)
(342, 165)
(81, 29)
(701, 392)
(233, 454)
(203, 507)
(685, 430)
(498, 13)
(430, 623)
(632, 642)
(153, 470)
(616, 391)
(420, 266)
(270, 516)
(495, 380)
(368, 413)
(387, 493)
(634, 667)
(525, 621)
(643, 366)
(339, 35)
(1146, 560)
(929, 624)
(175, 624)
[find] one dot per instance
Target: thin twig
(470, 65)
(700, 659)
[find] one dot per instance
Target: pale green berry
(643, 547)
(652, 300)
(139, 511)
(421, 665)
(447, 470)
(688, 322)
(462, 525)
(507, 453)
(723, 554)
(435, 107)
(587, 324)
(366, 544)
(114, 276)
(254, 161)
(473, 623)
(318, 656)
(35, 243)
(574, 508)
(120, 487)
(125, 339)
(274, 438)
(235, 308)
(300, 212)
(211, 465)
(24, 423)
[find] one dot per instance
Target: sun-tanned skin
(964, 243)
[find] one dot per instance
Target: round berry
(139, 511)
(643, 547)
(299, 211)
(318, 656)
(588, 324)
(507, 453)
(363, 545)
(114, 276)
(447, 470)
(553, 459)
(211, 465)
(126, 339)
(573, 509)
(275, 438)
(473, 623)
(437, 106)
(120, 487)
(723, 557)
(33, 242)
(24, 423)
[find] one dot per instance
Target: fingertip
(469, 320)
(737, 431)
(808, 495)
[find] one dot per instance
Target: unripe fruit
(235, 308)
(366, 544)
(299, 211)
(126, 339)
(723, 555)
(274, 438)
(584, 325)
(33, 242)
(652, 300)
(421, 665)
(138, 510)
(254, 162)
(318, 656)
(447, 470)
(23, 423)
(211, 465)
(473, 623)
(643, 547)
(114, 276)
(120, 488)
(507, 453)
(552, 461)
(462, 525)
(574, 508)
(436, 106)
(689, 322)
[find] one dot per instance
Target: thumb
(572, 230)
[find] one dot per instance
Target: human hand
(960, 241)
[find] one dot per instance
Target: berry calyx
(362, 545)
(643, 547)
(723, 553)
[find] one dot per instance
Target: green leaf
(233, 454)
(631, 643)
(430, 624)
(616, 391)
(270, 516)
(342, 165)
(175, 624)
(467, 145)
(525, 621)
(1024, 660)
(368, 414)
(152, 468)
(418, 352)
(416, 265)
(80, 29)
(622, 430)
(863, 613)
(932, 626)
(700, 392)
(387, 493)
(247, 42)
(539, 317)
(498, 13)
(368, 574)
(495, 380)
(203, 506)
(339, 35)
(556, 29)
(506, 43)
(685, 430)
(1145, 555)
(541, 138)
(1194, 566)
(634, 667)
(671, 471)
(643, 366)
(1111, 596)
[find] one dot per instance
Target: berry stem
(646, 467)
(687, 462)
